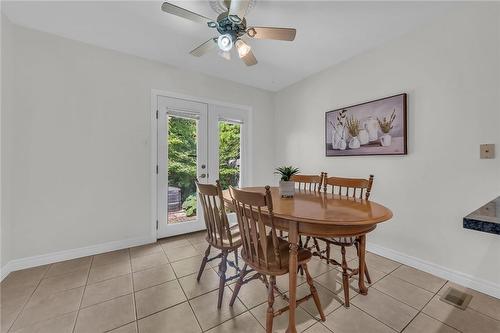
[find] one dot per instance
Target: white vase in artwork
(354, 143)
(342, 144)
(363, 137)
(338, 135)
(287, 188)
(386, 140)
(371, 126)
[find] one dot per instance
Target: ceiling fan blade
(187, 14)
(249, 59)
(238, 8)
(204, 48)
(272, 33)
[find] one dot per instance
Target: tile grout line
(390, 274)
(413, 284)
(133, 292)
(367, 313)
(83, 294)
(472, 309)
(180, 285)
(403, 302)
(28, 299)
(420, 311)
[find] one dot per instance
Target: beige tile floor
(153, 288)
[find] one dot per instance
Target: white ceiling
(327, 32)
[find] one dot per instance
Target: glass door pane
(229, 154)
(182, 169)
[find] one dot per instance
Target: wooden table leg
(293, 239)
(361, 269)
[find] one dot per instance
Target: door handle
(203, 175)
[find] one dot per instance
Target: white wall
(6, 58)
(450, 69)
(77, 141)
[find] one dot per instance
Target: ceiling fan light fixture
(225, 42)
(242, 47)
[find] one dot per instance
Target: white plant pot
(354, 143)
(338, 134)
(363, 137)
(287, 189)
(342, 144)
(385, 140)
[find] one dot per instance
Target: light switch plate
(487, 151)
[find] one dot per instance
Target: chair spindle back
(248, 206)
(308, 182)
(215, 214)
(351, 187)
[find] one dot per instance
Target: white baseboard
(49, 258)
(466, 280)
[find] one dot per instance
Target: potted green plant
(386, 126)
(287, 187)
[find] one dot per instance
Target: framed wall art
(372, 128)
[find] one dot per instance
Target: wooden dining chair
(354, 188)
(219, 234)
(308, 182)
(266, 253)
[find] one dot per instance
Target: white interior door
(182, 158)
(201, 141)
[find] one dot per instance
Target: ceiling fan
(232, 27)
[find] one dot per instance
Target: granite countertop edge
(479, 221)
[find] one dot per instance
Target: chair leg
(314, 293)
(345, 277)
(299, 268)
(328, 248)
(270, 303)
(367, 274)
(239, 283)
(203, 263)
(316, 244)
(236, 257)
(368, 279)
(308, 238)
(222, 278)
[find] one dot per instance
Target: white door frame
(247, 150)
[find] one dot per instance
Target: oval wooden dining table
(320, 214)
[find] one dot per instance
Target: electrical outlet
(487, 151)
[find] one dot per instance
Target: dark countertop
(486, 218)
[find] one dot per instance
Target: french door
(200, 141)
